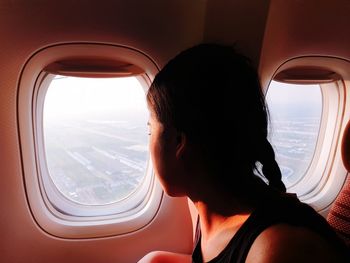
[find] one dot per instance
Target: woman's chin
(173, 192)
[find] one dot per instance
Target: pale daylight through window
(295, 112)
(95, 136)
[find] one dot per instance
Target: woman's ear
(181, 144)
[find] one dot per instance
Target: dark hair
(213, 95)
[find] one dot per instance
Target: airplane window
(295, 114)
(95, 137)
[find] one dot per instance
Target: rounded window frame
(326, 174)
(54, 213)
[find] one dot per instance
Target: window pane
(295, 112)
(95, 135)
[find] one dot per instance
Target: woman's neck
(221, 210)
(212, 222)
(217, 229)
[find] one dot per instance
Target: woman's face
(166, 164)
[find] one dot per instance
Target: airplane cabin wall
(304, 28)
(159, 29)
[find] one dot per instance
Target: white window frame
(53, 212)
(326, 174)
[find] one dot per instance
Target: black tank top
(283, 209)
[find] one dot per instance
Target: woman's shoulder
(288, 243)
(287, 230)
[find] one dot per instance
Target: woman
(208, 141)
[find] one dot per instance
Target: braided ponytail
(270, 168)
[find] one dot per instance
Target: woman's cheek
(155, 155)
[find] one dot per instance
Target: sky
(78, 96)
(294, 95)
